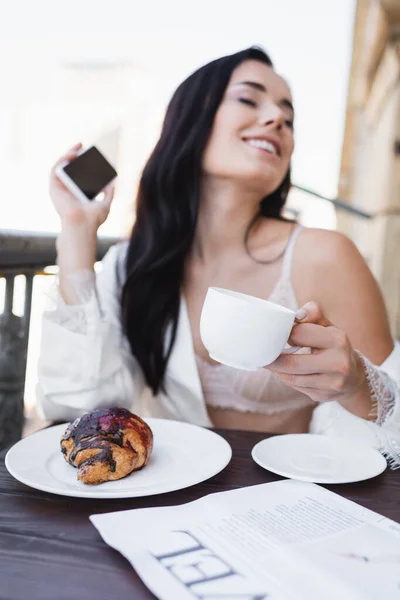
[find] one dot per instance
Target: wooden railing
(27, 254)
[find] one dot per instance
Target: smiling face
(252, 135)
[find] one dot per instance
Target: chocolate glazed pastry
(107, 444)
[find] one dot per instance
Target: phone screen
(91, 172)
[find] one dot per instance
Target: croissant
(107, 444)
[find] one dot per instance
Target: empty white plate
(318, 458)
(183, 455)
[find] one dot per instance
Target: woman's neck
(225, 213)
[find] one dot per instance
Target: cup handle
(290, 350)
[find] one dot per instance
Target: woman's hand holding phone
(76, 244)
(70, 209)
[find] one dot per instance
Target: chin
(262, 178)
(258, 179)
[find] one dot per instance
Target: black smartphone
(87, 174)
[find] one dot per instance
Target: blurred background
(102, 72)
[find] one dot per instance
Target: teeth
(263, 144)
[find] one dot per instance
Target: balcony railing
(26, 254)
(337, 203)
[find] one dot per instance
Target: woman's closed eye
(248, 101)
(288, 122)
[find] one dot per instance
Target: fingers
(312, 313)
(326, 384)
(317, 395)
(306, 364)
(310, 335)
(75, 148)
(69, 155)
(330, 370)
(72, 151)
(109, 191)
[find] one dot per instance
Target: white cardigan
(86, 363)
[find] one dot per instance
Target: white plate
(183, 455)
(318, 458)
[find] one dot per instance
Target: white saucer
(183, 455)
(318, 458)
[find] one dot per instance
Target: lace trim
(283, 294)
(383, 396)
(389, 446)
(382, 390)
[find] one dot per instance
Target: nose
(273, 115)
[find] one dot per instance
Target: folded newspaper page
(282, 541)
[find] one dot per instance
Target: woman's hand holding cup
(249, 333)
(333, 370)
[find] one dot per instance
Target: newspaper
(282, 541)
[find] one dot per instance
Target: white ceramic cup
(243, 331)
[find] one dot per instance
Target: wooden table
(49, 549)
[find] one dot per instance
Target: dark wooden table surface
(49, 550)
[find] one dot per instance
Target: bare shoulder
(329, 269)
(325, 261)
(323, 247)
(320, 253)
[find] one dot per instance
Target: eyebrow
(261, 88)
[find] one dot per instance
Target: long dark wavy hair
(167, 208)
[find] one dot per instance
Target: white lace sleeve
(83, 316)
(85, 360)
(331, 418)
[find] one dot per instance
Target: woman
(209, 213)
